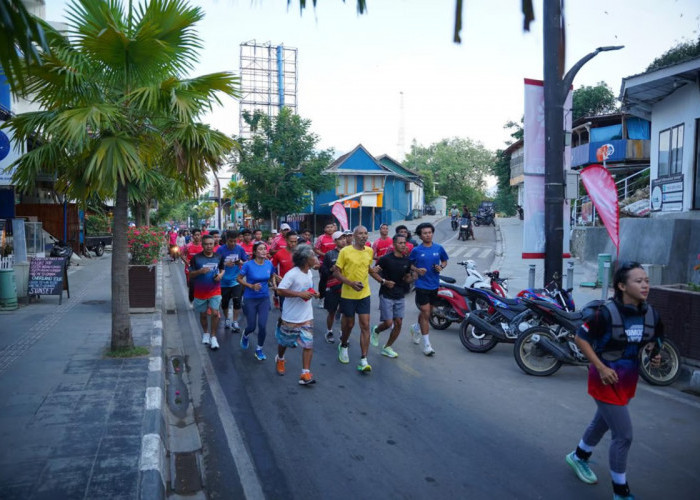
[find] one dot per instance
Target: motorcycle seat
(569, 316)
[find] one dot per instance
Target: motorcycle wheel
(100, 250)
(530, 357)
(440, 323)
(668, 371)
(475, 340)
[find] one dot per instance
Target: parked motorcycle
(61, 249)
(542, 350)
(485, 219)
(453, 304)
(505, 319)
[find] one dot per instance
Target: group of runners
(239, 272)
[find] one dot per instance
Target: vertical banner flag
(533, 170)
(601, 188)
(339, 211)
(534, 137)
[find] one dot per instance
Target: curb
(152, 463)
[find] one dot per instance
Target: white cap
(337, 234)
(285, 226)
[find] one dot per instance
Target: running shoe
(581, 468)
(306, 379)
(374, 336)
(330, 338)
(626, 495)
(214, 344)
(206, 339)
(259, 354)
(227, 323)
(320, 303)
(343, 354)
(389, 352)
(244, 341)
(415, 333)
(279, 365)
(235, 326)
(428, 350)
(363, 366)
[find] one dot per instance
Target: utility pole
(556, 88)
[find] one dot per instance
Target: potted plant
(145, 247)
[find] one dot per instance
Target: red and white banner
(339, 211)
(601, 188)
(534, 138)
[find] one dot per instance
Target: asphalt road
(455, 425)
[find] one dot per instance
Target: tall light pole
(556, 89)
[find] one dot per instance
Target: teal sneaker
(581, 468)
(244, 341)
(389, 352)
(374, 336)
(364, 366)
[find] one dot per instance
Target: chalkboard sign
(48, 276)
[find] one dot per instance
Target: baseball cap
(285, 226)
(337, 234)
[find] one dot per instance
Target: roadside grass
(132, 352)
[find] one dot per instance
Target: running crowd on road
(237, 275)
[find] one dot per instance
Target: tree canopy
(457, 166)
(280, 164)
(593, 100)
(682, 51)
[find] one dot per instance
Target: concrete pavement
(74, 423)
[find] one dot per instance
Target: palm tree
(117, 112)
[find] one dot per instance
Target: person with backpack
(611, 338)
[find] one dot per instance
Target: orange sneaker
(279, 365)
(306, 379)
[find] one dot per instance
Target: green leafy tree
(516, 130)
(280, 164)
(593, 100)
(680, 52)
(506, 195)
(458, 166)
(116, 108)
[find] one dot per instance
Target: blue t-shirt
(257, 273)
(427, 257)
(231, 272)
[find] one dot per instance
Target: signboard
(667, 194)
(351, 204)
(48, 276)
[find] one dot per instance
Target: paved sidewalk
(71, 420)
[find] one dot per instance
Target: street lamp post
(556, 89)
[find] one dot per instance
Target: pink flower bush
(145, 244)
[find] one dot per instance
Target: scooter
(61, 249)
(454, 223)
(465, 229)
(453, 305)
(484, 219)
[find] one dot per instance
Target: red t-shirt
(190, 251)
(278, 242)
(283, 259)
(248, 247)
(382, 247)
(325, 244)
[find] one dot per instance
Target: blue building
(372, 191)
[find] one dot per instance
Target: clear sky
(353, 68)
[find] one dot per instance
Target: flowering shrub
(145, 244)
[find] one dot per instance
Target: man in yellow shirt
(353, 267)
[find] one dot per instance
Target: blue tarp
(638, 128)
(608, 133)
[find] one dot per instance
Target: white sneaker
(428, 350)
(320, 303)
(235, 326)
(206, 339)
(415, 333)
(214, 344)
(227, 323)
(330, 338)
(343, 356)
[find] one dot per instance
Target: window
(373, 183)
(671, 151)
(345, 185)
